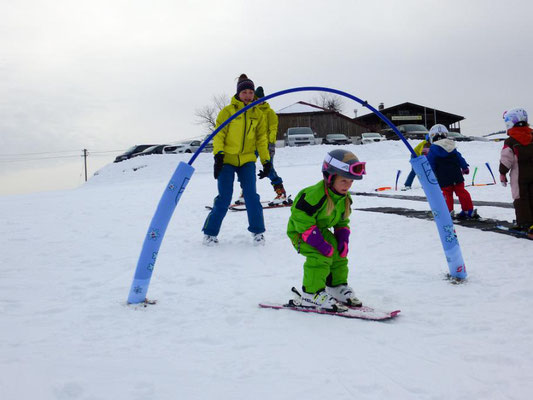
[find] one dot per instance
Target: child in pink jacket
(517, 159)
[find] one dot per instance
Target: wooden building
(319, 119)
(410, 113)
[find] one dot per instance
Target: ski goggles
(356, 169)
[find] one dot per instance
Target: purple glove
(465, 171)
(343, 237)
(314, 238)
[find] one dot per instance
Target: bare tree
(207, 115)
(329, 101)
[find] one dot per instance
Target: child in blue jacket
(449, 167)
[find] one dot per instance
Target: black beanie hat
(244, 83)
(259, 92)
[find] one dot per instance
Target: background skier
(449, 166)
(421, 149)
(272, 132)
(517, 158)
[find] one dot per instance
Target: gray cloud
(105, 75)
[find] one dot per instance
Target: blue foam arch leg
(442, 217)
(156, 232)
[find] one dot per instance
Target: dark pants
(524, 206)
(246, 176)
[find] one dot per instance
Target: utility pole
(85, 162)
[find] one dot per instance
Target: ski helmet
(514, 117)
(437, 132)
(343, 163)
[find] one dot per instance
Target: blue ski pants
(246, 176)
(410, 178)
(275, 179)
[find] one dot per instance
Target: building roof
(302, 107)
(371, 117)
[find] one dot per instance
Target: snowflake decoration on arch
(154, 234)
(450, 233)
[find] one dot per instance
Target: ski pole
(490, 170)
(397, 176)
(474, 176)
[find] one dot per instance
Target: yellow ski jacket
(271, 121)
(243, 136)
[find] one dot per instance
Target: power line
(59, 152)
(50, 155)
(38, 158)
(35, 154)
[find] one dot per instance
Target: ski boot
(468, 215)
(240, 200)
(210, 240)
(258, 239)
(344, 294)
(281, 196)
(320, 300)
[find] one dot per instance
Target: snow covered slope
(68, 258)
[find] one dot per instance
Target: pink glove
(503, 180)
(343, 237)
(465, 171)
(314, 238)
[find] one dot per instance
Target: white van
(299, 136)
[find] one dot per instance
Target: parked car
(299, 136)
(156, 149)
(172, 149)
(497, 136)
(132, 150)
(209, 146)
(371, 137)
(478, 138)
(459, 137)
(336, 138)
(161, 149)
(410, 131)
(188, 146)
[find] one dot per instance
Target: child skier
(517, 158)
(449, 166)
(421, 149)
(315, 210)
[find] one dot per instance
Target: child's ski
(265, 206)
(515, 232)
(363, 312)
(263, 203)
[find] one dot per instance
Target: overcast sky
(106, 74)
